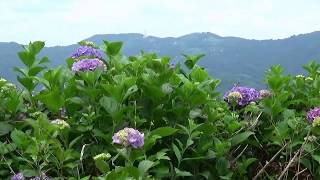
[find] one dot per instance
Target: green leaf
(207, 128)
(113, 48)
(144, 166)
(44, 60)
(130, 91)
(222, 166)
(20, 139)
(199, 74)
(26, 58)
(33, 71)
(36, 47)
(69, 62)
(23, 72)
(43, 81)
(316, 157)
(54, 100)
(239, 138)
(102, 166)
(76, 100)
(74, 141)
(182, 173)
(123, 173)
(27, 82)
(109, 104)
(191, 60)
(5, 128)
(163, 131)
(176, 152)
(249, 161)
(6, 148)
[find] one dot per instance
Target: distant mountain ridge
(230, 59)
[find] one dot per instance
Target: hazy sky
(61, 22)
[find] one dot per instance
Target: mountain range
(231, 59)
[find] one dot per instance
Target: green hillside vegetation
(231, 59)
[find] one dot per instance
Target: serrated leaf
(20, 139)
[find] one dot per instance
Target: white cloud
(68, 21)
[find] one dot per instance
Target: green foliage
(62, 123)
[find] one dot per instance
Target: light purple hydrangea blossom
(42, 176)
(87, 65)
(18, 176)
(129, 137)
(264, 93)
(247, 95)
(87, 51)
(313, 114)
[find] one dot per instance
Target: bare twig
(241, 153)
(298, 173)
(268, 163)
(12, 171)
(293, 158)
(289, 164)
(81, 155)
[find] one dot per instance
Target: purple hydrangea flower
(313, 114)
(129, 137)
(88, 52)
(18, 176)
(241, 95)
(87, 65)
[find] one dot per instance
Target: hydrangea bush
(108, 116)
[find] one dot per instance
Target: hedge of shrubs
(107, 116)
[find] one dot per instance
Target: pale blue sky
(62, 22)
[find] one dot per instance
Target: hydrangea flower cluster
(300, 76)
(42, 176)
(166, 88)
(172, 65)
(86, 51)
(61, 123)
(86, 43)
(18, 176)
(5, 86)
(3, 81)
(129, 137)
(241, 95)
(309, 79)
(264, 93)
(313, 116)
(87, 65)
(102, 156)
